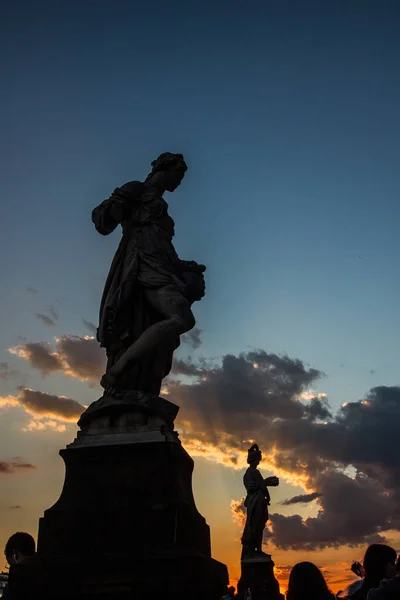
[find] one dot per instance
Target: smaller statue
(256, 503)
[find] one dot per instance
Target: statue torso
(149, 209)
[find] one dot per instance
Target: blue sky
(287, 115)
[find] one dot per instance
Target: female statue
(256, 503)
(146, 303)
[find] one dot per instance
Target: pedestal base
(176, 576)
(128, 498)
(258, 577)
(126, 524)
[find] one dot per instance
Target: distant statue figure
(256, 503)
(146, 303)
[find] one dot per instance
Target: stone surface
(139, 415)
(258, 576)
(126, 524)
(134, 497)
(179, 576)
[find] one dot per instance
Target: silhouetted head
(19, 547)
(306, 582)
(168, 171)
(379, 562)
(254, 455)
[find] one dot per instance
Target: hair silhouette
(306, 582)
(20, 542)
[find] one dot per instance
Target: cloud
(31, 290)
(39, 355)
(349, 458)
(5, 372)
(186, 367)
(353, 511)
(40, 403)
(44, 406)
(53, 312)
(50, 321)
(45, 319)
(44, 424)
(79, 357)
(302, 499)
(16, 465)
(90, 326)
(82, 357)
(237, 397)
(238, 512)
(193, 338)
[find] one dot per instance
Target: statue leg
(178, 319)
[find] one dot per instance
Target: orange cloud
(79, 357)
(46, 409)
(16, 465)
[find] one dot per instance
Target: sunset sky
(287, 113)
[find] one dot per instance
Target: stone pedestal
(258, 577)
(126, 525)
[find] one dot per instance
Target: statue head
(254, 455)
(168, 171)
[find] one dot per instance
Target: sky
(287, 115)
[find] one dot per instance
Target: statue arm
(107, 216)
(271, 481)
(191, 265)
(115, 210)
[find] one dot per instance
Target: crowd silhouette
(379, 579)
(379, 575)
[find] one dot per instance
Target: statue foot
(109, 383)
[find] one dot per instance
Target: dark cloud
(246, 392)
(90, 326)
(75, 356)
(193, 338)
(349, 459)
(47, 405)
(353, 511)
(53, 312)
(50, 321)
(302, 499)
(31, 290)
(184, 367)
(6, 372)
(318, 409)
(15, 466)
(45, 319)
(40, 355)
(83, 356)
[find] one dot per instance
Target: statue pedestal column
(258, 577)
(126, 525)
